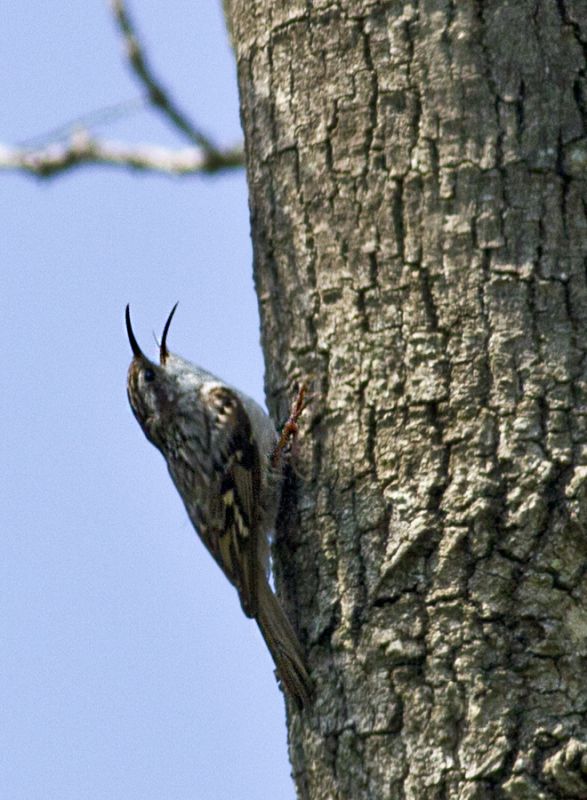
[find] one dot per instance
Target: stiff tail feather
(283, 645)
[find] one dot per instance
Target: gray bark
(418, 186)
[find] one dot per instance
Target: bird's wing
(233, 534)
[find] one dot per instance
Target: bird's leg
(291, 428)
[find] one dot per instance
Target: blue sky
(128, 670)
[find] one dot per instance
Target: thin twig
(158, 96)
(91, 119)
(81, 150)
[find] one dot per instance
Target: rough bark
(418, 186)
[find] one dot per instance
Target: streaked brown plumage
(217, 444)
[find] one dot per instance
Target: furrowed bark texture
(418, 179)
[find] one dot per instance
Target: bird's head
(153, 388)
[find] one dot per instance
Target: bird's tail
(283, 645)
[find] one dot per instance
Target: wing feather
(235, 525)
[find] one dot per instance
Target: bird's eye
(149, 375)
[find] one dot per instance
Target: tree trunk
(417, 178)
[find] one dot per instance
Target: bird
(221, 450)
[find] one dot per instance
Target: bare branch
(73, 146)
(81, 150)
(158, 96)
